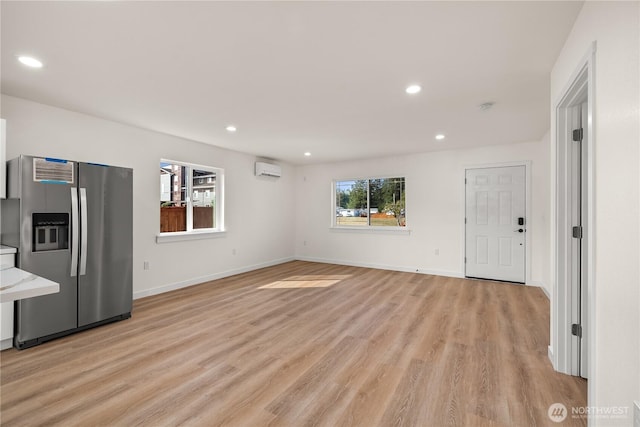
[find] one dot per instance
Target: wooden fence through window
(174, 218)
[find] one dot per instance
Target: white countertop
(7, 250)
(18, 284)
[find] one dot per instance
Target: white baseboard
(550, 356)
(445, 273)
(546, 292)
(208, 278)
(221, 275)
(541, 286)
(6, 343)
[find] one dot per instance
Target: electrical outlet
(233, 251)
(437, 251)
(146, 265)
(636, 414)
(304, 243)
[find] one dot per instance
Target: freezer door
(105, 267)
(49, 314)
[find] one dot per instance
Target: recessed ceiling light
(307, 154)
(440, 136)
(413, 89)
(231, 128)
(30, 62)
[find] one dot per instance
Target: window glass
(377, 202)
(173, 205)
(188, 197)
(351, 199)
(203, 199)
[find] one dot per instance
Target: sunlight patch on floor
(308, 281)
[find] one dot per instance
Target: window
(194, 201)
(377, 202)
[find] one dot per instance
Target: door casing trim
(581, 83)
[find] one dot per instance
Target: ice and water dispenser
(50, 231)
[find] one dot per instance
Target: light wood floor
(303, 344)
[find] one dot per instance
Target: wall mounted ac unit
(268, 169)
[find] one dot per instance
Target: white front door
(495, 223)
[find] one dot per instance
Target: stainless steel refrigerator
(72, 223)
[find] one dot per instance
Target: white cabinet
(7, 259)
(3, 158)
(17, 284)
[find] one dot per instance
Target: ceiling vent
(268, 169)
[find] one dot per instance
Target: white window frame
(365, 228)
(199, 233)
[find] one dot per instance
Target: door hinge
(465, 220)
(465, 180)
(577, 135)
(576, 330)
(465, 260)
(577, 232)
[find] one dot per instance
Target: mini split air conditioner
(268, 169)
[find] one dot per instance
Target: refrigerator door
(105, 267)
(40, 200)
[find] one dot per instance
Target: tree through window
(377, 202)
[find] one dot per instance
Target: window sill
(372, 230)
(181, 236)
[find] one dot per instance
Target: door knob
(519, 230)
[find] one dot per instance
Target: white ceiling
(323, 77)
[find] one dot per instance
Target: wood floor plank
(372, 398)
(407, 407)
(302, 344)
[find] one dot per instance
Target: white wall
(435, 210)
(259, 211)
(615, 28)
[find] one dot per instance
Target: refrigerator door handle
(83, 233)
(74, 231)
